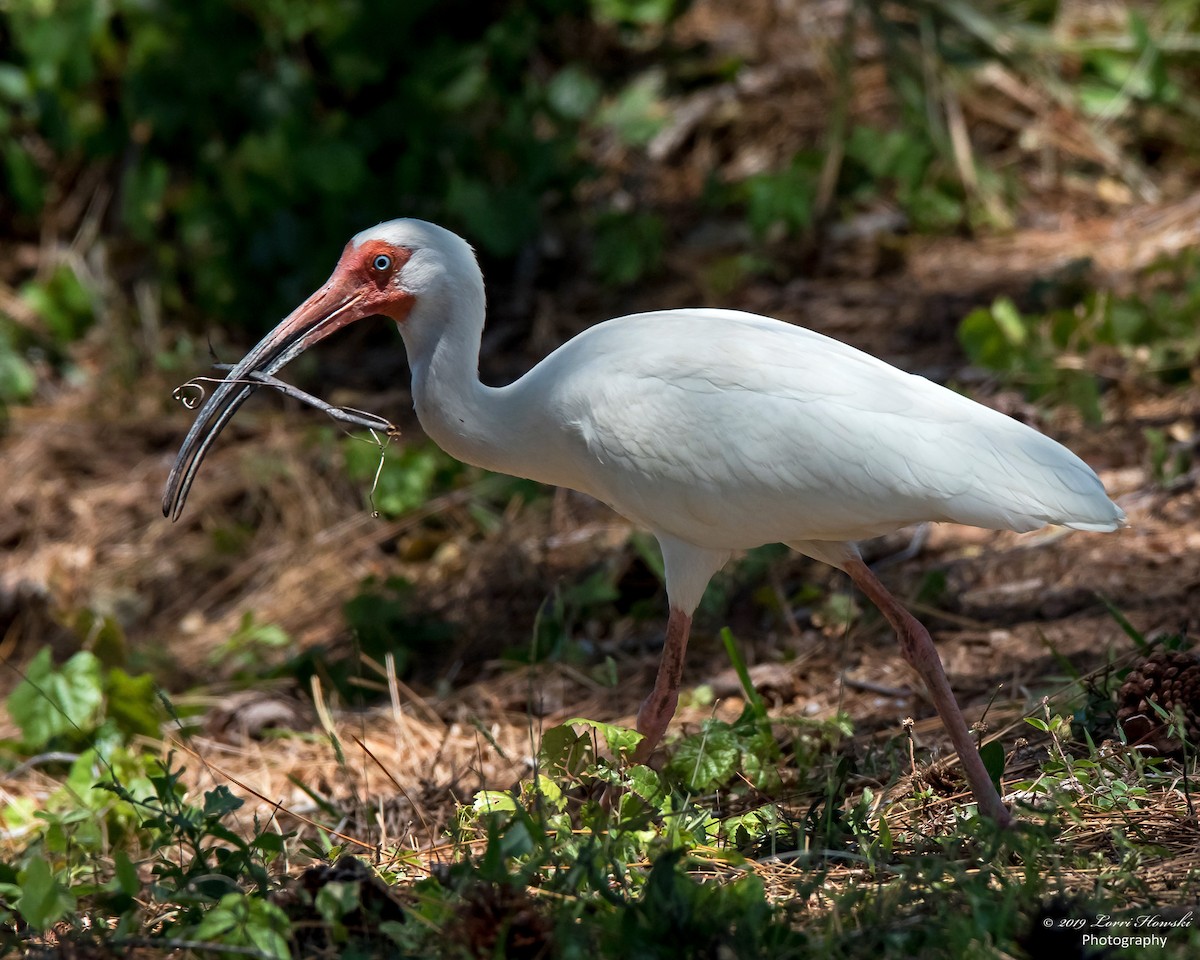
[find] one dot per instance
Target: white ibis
(715, 429)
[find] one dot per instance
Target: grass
(755, 840)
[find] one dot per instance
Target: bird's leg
(919, 650)
(658, 708)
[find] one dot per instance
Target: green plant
(1170, 459)
(220, 127)
(403, 479)
(561, 615)
(17, 378)
(63, 304)
(1113, 79)
(242, 655)
(215, 879)
(81, 703)
(382, 619)
(905, 165)
(627, 246)
(783, 202)
(1053, 355)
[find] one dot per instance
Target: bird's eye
(382, 262)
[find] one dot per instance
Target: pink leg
(658, 708)
(918, 649)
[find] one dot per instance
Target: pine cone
(1170, 679)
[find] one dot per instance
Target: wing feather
(732, 430)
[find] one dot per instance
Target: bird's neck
(485, 426)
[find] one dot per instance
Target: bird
(716, 430)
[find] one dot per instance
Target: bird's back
(730, 430)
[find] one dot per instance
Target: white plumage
(732, 430)
(716, 430)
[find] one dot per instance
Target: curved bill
(326, 311)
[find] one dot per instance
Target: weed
(384, 624)
(795, 864)
(627, 246)
(1055, 356)
(80, 703)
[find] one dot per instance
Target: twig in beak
(192, 394)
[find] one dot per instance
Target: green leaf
(126, 874)
(784, 198)
(635, 12)
(706, 759)
(143, 196)
(494, 801)
(51, 703)
(993, 760)
(62, 302)
(1126, 322)
(24, 180)
(14, 84)
(753, 699)
(17, 379)
(645, 782)
(242, 920)
(620, 740)
(219, 803)
(44, 900)
(269, 843)
(650, 552)
(760, 760)
(885, 836)
(133, 703)
(639, 111)
(550, 792)
(566, 750)
(408, 478)
(335, 900)
(1008, 321)
(627, 246)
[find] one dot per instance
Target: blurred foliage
(211, 143)
(81, 703)
(385, 621)
(1056, 355)
(248, 647)
(402, 479)
(783, 199)
(17, 378)
(1125, 79)
(904, 164)
(234, 133)
(627, 246)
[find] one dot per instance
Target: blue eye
(382, 262)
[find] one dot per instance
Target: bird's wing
(736, 424)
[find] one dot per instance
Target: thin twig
(192, 394)
(347, 415)
(54, 756)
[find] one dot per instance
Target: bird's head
(388, 270)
